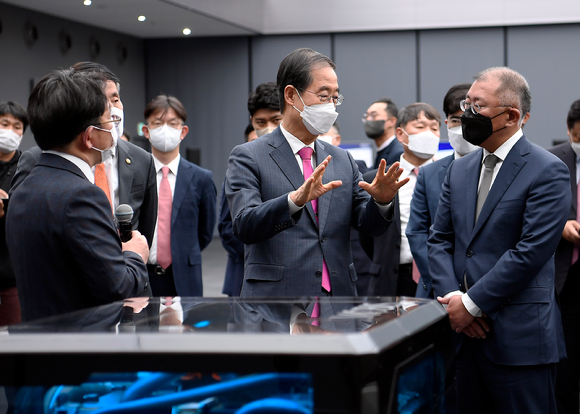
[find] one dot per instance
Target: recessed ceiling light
(141, 18)
(186, 31)
(87, 2)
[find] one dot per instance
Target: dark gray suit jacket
(284, 253)
(137, 183)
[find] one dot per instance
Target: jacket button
(318, 273)
(469, 253)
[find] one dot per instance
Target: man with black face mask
(491, 253)
(379, 125)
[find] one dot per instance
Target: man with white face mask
(428, 187)
(293, 198)
(187, 204)
(127, 174)
(392, 274)
(13, 123)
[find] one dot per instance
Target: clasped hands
(463, 321)
(383, 188)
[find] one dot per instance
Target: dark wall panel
(210, 77)
(23, 64)
(549, 58)
(372, 66)
(449, 57)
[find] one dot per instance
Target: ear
(392, 121)
(184, 131)
(145, 130)
(290, 95)
(513, 117)
(86, 138)
(401, 136)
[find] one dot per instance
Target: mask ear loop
(300, 100)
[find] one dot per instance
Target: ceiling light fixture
(141, 18)
(87, 2)
(186, 31)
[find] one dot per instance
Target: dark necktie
(489, 164)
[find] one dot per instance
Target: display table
(222, 355)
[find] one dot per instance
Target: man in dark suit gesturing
(491, 253)
(128, 175)
(63, 242)
(297, 230)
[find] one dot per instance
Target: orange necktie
(101, 181)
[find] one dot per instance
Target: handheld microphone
(124, 214)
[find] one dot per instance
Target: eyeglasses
(476, 108)
(175, 124)
(336, 100)
(112, 121)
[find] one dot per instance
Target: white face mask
(106, 153)
(165, 139)
(576, 147)
(119, 127)
(459, 144)
(318, 118)
(264, 131)
(9, 141)
(424, 145)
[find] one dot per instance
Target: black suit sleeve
(148, 211)
(26, 163)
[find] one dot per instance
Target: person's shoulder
(133, 150)
(560, 148)
(438, 164)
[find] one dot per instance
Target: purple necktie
(164, 221)
(306, 154)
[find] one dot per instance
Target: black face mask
(374, 129)
(477, 128)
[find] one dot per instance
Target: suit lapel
(125, 171)
(283, 156)
(184, 177)
(324, 200)
(569, 158)
(510, 168)
(471, 183)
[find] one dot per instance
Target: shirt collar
(386, 143)
(294, 142)
(408, 167)
(173, 165)
(83, 165)
(504, 149)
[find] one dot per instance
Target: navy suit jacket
(391, 153)
(64, 244)
(284, 253)
(137, 183)
(423, 208)
(235, 249)
(507, 257)
(193, 219)
(564, 252)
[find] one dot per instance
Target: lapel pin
(128, 161)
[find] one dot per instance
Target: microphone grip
(125, 230)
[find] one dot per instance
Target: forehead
(456, 114)
(111, 89)
(422, 119)
(379, 107)
(323, 78)
(170, 114)
(483, 90)
(264, 113)
(10, 118)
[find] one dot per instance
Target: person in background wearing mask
(13, 124)
(428, 187)
(491, 253)
(568, 272)
(379, 125)
(265, 116)
(296, 229)
(392, 271)
(187, 204)
(64, 246)
(127, 175)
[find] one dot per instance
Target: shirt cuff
(293, 207)
(471, 307)
(453, 293)
(385, 209)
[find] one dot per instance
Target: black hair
(64, 104)
(573, 114)
(411, 113)
(296, 70)
(247, 131)
(162, 103)
(392, 110)
(93, 67)
(265, 96)
(16, 110)
(454, 95)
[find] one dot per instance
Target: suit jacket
(563, 256)
(64, 244)
(235, 249)
(284, 253)
(423, 208)
(391, 153)
(507, 257)
(193, 217)
(137, 183)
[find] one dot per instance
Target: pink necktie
(576, 248)
(306, 153)
(164, 221)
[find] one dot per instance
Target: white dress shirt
(83, 166)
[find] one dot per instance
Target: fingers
(3, 193)
(483, 323)
(332, 185)
(443, 301)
